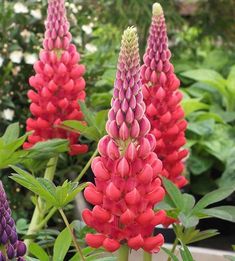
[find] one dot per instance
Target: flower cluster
(162, 99)
(10, 247)
(127, 185)
(58, 83)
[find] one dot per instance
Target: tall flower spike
(162, 99)
(58, 83)
(127, 185)
(10, 247)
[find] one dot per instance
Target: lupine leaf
(213, 197)
(169, 253)
(222, 212)
(62, 244)
(201, 235)
(174, 193)
(12, 133)
(38, 252)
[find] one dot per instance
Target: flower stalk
(127, 185)
(72, 234)
(123, 253)
(57, 85)
(162, 98)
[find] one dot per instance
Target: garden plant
(133, 156)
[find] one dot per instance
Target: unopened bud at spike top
(162, 99)
(10, 247)
(126, 174)
(58, 83)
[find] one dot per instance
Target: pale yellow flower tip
(157, 9)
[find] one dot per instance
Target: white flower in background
(30, 58)
(8, 114)
(73, 8)
(87, 29)
(16, 56)
(79, 7)
(91, 48)
(78, 40)
(36, 13)
(1, 60)
(26, 35)
(20, 8)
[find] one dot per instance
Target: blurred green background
(201, 38)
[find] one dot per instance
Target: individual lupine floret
(58, 83)
(162, 99)
(10, 247)
(127, 185)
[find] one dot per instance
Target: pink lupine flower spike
(127, 185)
(58, 83)
(162, 99)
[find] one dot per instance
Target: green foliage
(182, 205)
(95, 128)
(62, 245)
(184, 252)
(210, 105)
(55, 196)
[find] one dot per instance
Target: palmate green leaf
(210, 77)
(188, 220)
(38, 252)
(17, 143)
(67, 192)
(169, 253)
(174, 193)
(222, 212)
(48, 149)
(33, 184)
(202, 128)
(188, 203)
(213, 197)
(191, 105)
(48, 185)
(9, 159)
(202, 116)
(62, 244)
(12, 133)
(72, 194)
(201, 235)
(197, 164)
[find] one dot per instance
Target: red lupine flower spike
(162, 99)
(126, 173)
(58, 83)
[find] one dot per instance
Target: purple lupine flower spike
(126, 118)
(10, 247)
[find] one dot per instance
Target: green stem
(123, 253)
(72, 234)
(86, 166)
(173, 248)
(147, 256)
(46, 218)
(40, 208)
